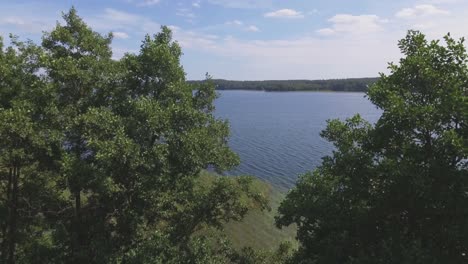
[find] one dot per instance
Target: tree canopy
(100, 158)
(395, 191)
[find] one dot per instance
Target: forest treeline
(336, 85)
(101, 161)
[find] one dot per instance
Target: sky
(256, 39)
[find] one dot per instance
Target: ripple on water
(277, 134)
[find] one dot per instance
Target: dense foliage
(396, 191)
(100, 158)
(338, 85)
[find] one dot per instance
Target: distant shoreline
(331, 85)
(290, 91)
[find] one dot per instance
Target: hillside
(257, 229)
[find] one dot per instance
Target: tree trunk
(78, 237)
(5, 228)
(13, 217)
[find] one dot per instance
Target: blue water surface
(276, 134)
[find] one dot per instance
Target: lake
(276, 134)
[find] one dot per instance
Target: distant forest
(338, 85)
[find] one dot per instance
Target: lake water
(276, 134)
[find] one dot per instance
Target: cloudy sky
(256, 39)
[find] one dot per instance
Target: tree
(28, 151)
(396, 191)
(100, 159)
(79, 67)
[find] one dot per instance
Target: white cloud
(120, 35)
(421, 11)
(299, 58)
(120, 16)
(441, 1)
(247, 4)
(352, 55)
(115, 20)
(284, 13)
(149, 2)
(196, 4)
(13, 21)
(235, 22)
(118, 52)
(252, 28)
(185, 12)
(326, 31)
(173, 28)
(195, 40)
(26, 24)
(345, 23)
(240, 24)
(435, 23)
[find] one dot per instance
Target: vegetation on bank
(257, 229)
(336, 85)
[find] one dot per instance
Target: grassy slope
(257, 229)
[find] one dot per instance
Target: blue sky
(256, 40)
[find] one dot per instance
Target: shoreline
(287, 91)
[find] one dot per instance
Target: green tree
(79, 67)
(100, 159)
(29, 150)
(396, 191)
